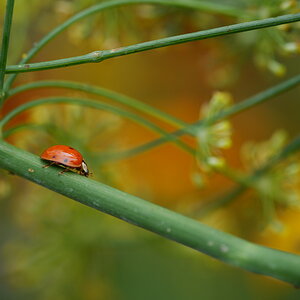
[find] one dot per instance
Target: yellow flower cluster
(212, 138)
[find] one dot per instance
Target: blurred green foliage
(280, 186)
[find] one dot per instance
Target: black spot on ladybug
(66, 160)
(53, 156)
(71, 148)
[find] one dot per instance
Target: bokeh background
(54, 248)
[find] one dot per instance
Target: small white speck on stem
(224, 248)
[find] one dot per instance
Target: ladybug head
(84, 169)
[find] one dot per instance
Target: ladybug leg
(49, 164)
(63, 171)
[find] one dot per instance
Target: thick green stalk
(225, 247)
(199, 5)
(97, 105)
(5, 43)
(99, 56)
(128, 101)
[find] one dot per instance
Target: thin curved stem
(5, 43)
(235, 109)
(17, 128)
(120, 98)
(248, 181)
(99, 56)
(221, 201)
(97, 105)
(199, 5)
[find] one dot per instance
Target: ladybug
(66, 157)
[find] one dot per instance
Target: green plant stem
(199, 5)
(120, 98)
(249, 181)
(222, 246)
(17, 128)
(220, 202)
(230, 112)
(237, 108)
(99, 56)
(97, 105)
(5, 43)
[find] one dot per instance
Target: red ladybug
(66, 157)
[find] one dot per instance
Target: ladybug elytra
(66, 157)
